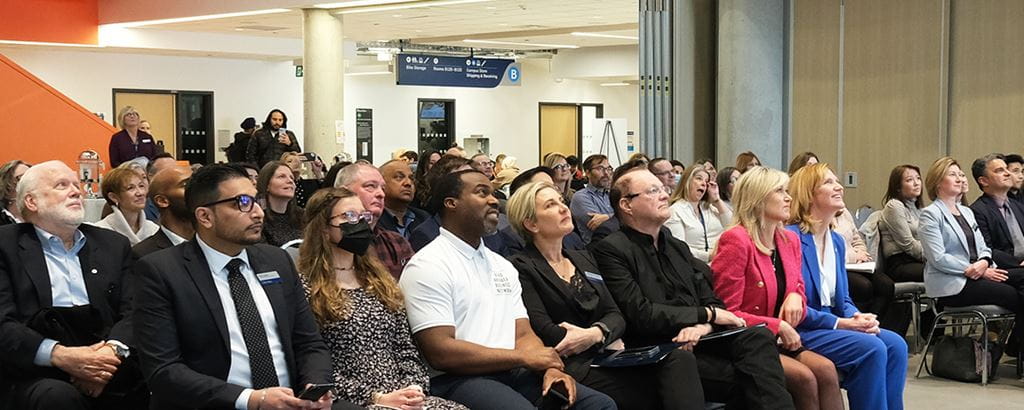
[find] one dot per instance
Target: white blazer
(686, 226)
(945, 248)
(116, 222)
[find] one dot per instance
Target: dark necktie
(261, 363)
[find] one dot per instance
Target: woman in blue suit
(958, 264)
(872, 360)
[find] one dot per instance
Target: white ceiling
(521, 21)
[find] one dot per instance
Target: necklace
(345, 269)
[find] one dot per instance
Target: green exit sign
(298, 71)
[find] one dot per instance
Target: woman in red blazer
(757, 274)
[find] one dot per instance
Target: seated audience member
(959, 269)
(251, 170)
(899, 225)
(475, 328)
(562, 176)
(275, 189)
(677, 168)
(359, 308)
(168, 193)
(747, 160)
(10, 174)
(590, 207)
(726, 183)
(271, 140)
(1015, 163)
(572, 311)
(456, 151)
(665, 295)
(447, 164)
(125, 192)
(639, 158)
(332, 174)
(222, 321)
(429, 157)
(160, 162)
(757, 274)
(579, 180)
(515, 242)
(709, 165)
(662, 168)
(873, 361)
(698, 215)
(801, 159)
(482, 162)
(410, 157)
(66, 299)
(366, 182)
(1000, 220)
(399, 190)
(509, 171)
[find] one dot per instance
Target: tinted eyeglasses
(652, 191)
(353, 217)
(244, 202)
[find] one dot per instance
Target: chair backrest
(292, 248)
(872, 237)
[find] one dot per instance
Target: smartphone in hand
(314, 392)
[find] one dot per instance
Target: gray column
(751, 69)
(693, 68)
(322, 82)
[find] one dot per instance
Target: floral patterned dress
(372, 352)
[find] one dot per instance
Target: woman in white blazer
(958, 264)
(699, 215)
(126, 192)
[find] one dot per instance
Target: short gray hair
(348, 173)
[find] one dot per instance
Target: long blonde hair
(748, 198)
(326, 299)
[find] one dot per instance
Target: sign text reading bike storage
(416, 69)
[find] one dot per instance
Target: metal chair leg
(986, 361)
(927, 346)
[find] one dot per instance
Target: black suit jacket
(549, 302)
(25, 289)
(993, 228)
(154, 243)
(183, 335)
(657, 302)
(389, 222)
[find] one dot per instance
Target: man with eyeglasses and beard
(467, 316)
(590, 207)
(65, 303)
(167, 192)
(223, 321)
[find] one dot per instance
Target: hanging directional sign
(417, 69)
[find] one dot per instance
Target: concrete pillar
(751, 69)
(322, 82)
(693, 65)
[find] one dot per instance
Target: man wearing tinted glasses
(224, 320)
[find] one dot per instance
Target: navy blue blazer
(818, 316)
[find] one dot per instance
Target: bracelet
(714, 314)
(263, 397)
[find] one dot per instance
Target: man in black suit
(1000, 220)
(167, 191)
(223, 321)
(65, 302)
(665, 295)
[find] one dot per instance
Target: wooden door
(559, 130)
(158, 109)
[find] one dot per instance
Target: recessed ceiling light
(579, 34)
(196, 18)
(357, 3)
(618, 84)
(513, 43)
(396, 15)
(491, 8)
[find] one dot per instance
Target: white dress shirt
(240, 373)
(171, 236)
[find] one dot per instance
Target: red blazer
(745, 280)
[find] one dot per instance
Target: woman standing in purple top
(130, 142)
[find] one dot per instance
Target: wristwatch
(120, 349)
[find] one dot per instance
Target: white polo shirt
(449, 283)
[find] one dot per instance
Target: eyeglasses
(662, 173)
(560, 167)
(602, 169)
(652, 191)
(353, 217)
(244, 202)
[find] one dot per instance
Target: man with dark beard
(167, 191)
(467, 315)
(223, 322)
(272, 140)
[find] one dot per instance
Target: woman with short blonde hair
(757, 274)
(873, 360)
(130, 142)
(125, 191)
(359, 308)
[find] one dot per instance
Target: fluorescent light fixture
(368, 73)
(195, 18)
(599, 35)
(358, 3)
(46, 43)
(405, 5)
(618, 84)
(513, 43)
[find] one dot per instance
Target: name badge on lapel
(268, 278)
(593, 277)
(147, 141)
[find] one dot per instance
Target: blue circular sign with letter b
(513, 74)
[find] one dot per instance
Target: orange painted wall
(56, 21)
(47, 124)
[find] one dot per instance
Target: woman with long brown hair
(359, 308)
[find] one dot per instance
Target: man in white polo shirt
(466, 312)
